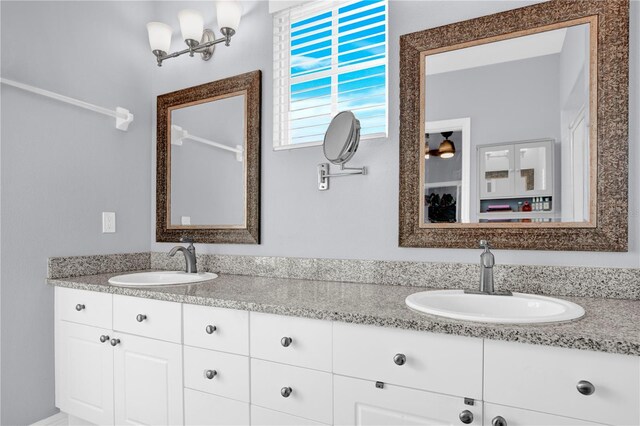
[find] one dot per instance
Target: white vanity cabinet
(123, 360)
(105, 376)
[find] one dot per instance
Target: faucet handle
(186, 240)
(484, 244)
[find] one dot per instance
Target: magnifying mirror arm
(324, 174)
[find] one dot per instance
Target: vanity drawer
(156, 319)
(265, 417)
(219, 329)
(364, 402)
(434, 362)
(309, 346)
(546, 378)
(84, 307)
(520, 417)
(231, 377)
(205, 409)
(310, 395)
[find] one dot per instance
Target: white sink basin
(147, 279)
(517, 309)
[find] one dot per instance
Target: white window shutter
(329, 56)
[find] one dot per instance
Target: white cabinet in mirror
(207, 175)
(525, 154)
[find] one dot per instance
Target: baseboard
(59, 419)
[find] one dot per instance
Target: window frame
(282, 79)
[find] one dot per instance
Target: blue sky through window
(337, 63)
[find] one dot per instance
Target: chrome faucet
(189, 255)
(487, 261)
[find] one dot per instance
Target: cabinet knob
(210, 374)
(286, 391)
(585, 387)
(400, 359)
(141, 317)
(115, 342)
(104, 338)
(286, 341)
(210, 329)
(498, 421)
(466, 417)
(79, 307)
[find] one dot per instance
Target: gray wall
(61, 166)
(358, 216)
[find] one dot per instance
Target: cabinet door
(496, 166)
(148, 381)
(519, 417)
(363, 403)
(204, 409)
(264, 417)
(84, 373)
(534, 169)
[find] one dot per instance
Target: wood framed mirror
(208, 162)
(514, 129)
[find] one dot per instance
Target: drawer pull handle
(210, 329)
(286, 341)
(79, 307)
(286, 391)
(585, 387)
(115, 342)
(498, 421)
(466, 417)
(210, 374)
(400, 359)
(104, 338)
(141, 317)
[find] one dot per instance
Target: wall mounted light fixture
(198, 39)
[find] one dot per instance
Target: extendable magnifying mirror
(340, 145)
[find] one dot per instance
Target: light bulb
(159, 36)
(191, 24)
(229, 14)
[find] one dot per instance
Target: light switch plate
(185, 220)
(108, 222)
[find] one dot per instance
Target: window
(329, 56)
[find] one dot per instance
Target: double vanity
(271, 351)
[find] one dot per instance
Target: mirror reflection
(207, 163)
(507, 130)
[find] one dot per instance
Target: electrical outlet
(108, 222)
(185, 220)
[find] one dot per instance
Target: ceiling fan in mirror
(446, 149)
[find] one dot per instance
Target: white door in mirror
(519, 308)
(143, 279)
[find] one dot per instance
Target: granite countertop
(609, 325)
